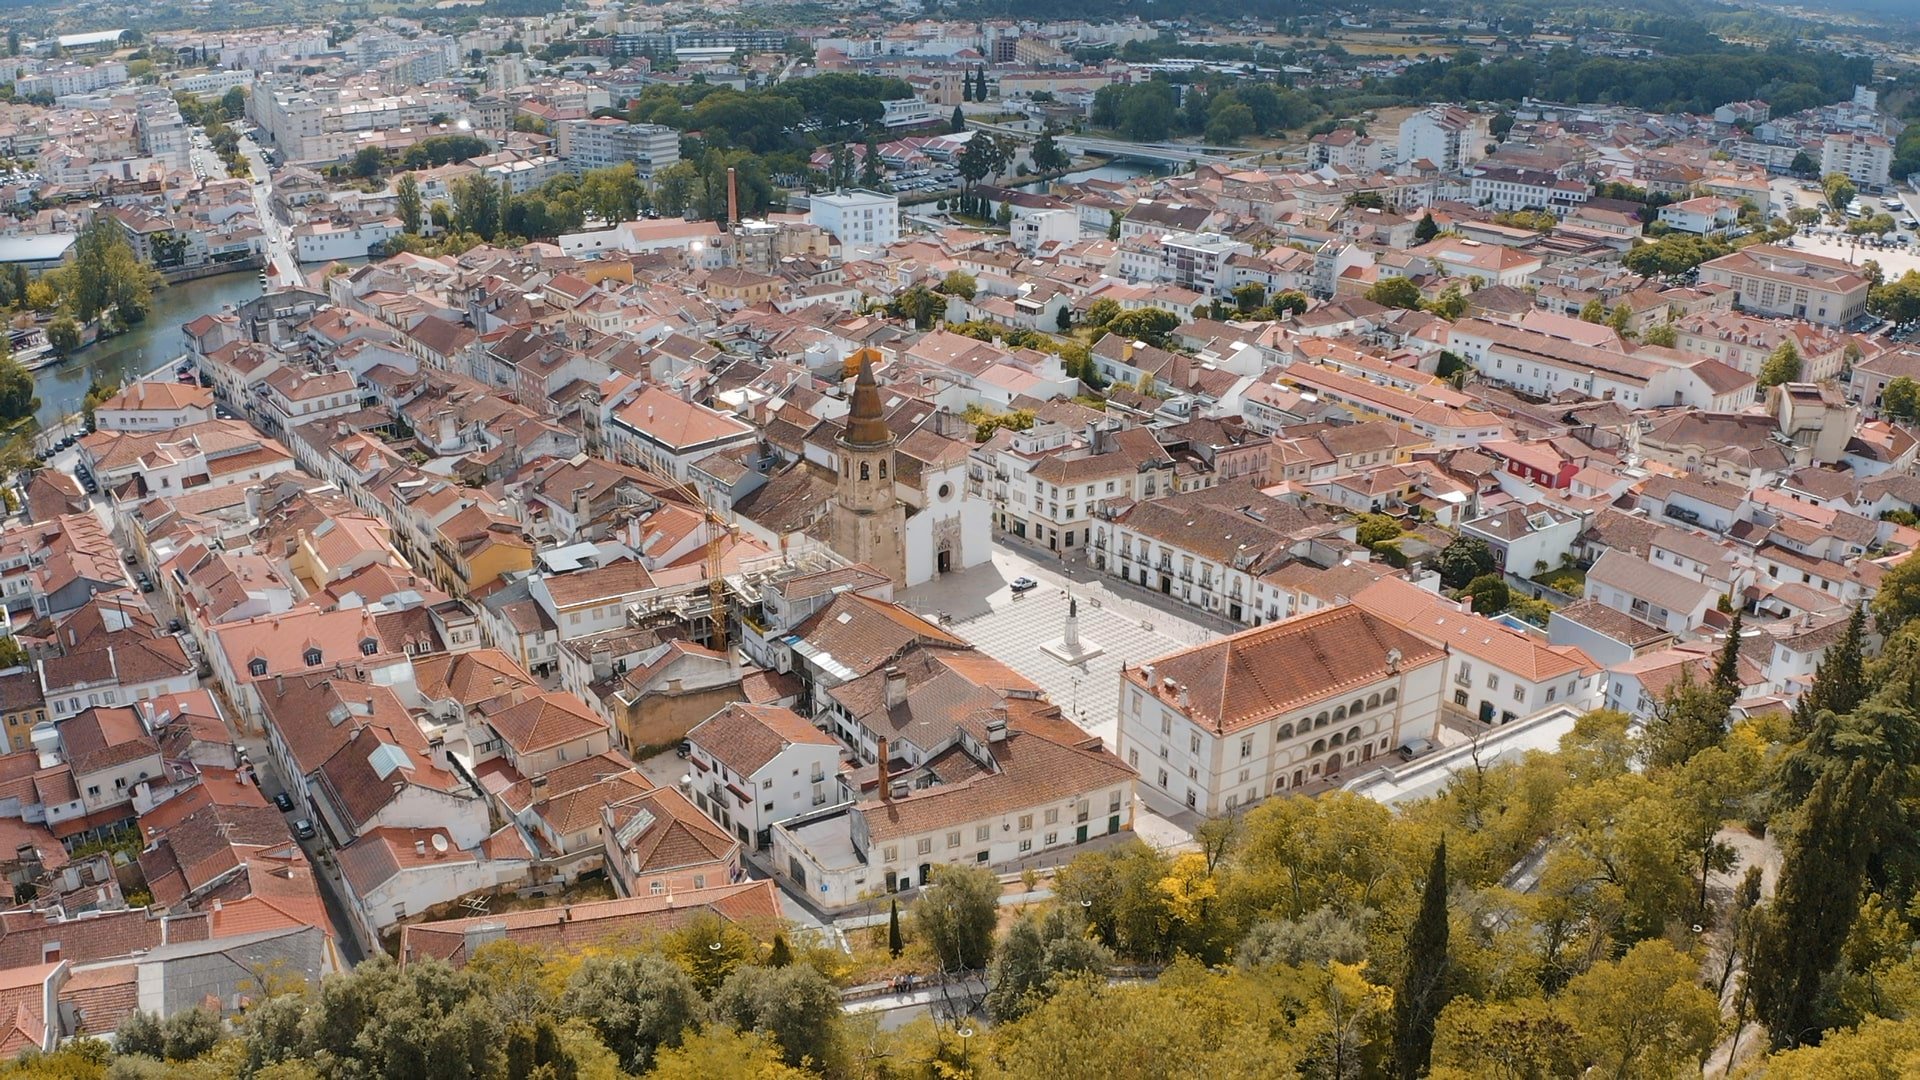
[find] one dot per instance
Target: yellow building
(474, 549)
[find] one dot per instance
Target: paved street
(282, 267)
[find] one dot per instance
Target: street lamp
(965, 1033)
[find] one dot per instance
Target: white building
(780, 763)
(1861, 158)
(906, 112)
(71, 78)
(602, 142)
(858, 218)
(1442, 134)
(1282, 707)
(325, 241)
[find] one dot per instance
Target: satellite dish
(440, 843)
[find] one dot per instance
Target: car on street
(146, 583)
(284, 801)
(1414, 748)
(1022, 584)
(303, 828)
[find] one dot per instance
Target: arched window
(863, 471)
(1319, 746)
(1373, 701)
(1353, 734)
(1320, 721)
(257, 667)
(883, 468)
(1339, 712)
(1335, 742)
(1354, 709)
(1392, 694)
(1300, 776)
(312, 657)
(1286, 732)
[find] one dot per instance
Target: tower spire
(865, 424)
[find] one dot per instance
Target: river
(139, 351)
(1115, 170)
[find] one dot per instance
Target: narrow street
(283, 269)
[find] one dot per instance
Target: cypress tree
(1424, 988)
(1726, 669)
(959, 121)
(1818, 896)
(894, 945)
(1427, 229)
(966, 87)
(780, 956)
(1839, 683)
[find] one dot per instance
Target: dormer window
(312, 657)
(257, 667)
(369, 647)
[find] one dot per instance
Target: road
(282, 268)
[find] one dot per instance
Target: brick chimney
(886, 786)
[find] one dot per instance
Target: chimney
(419, 847)
(1185, 699)
(1146, 672)
(880, 757)
(896, 686)
(733, 200)
(279, 685)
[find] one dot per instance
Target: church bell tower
(869, 524)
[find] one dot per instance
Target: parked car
(146, 583)
(1414, 748)
(1022, 584)
(303, 828)
(284, 801)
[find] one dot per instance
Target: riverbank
(154, 343)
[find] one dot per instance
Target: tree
(104, 275)
(477, 206)
(614, 193)
(672, 187)
(1803, 164)
(870, 176)
(780, 954)
(1063, 322)
(1897, 300)
(190, 1033)
(1839, 682)
(1665, 335)
(894, 945)
(1489, 594)
(1395, 292)
(1424, 986)
(796, 1005)
(1249, 296)
(1814, 905)
(1595, 311)
(141, 1033)
(63, 334)
(1901, 399)
(958, 123)
(1688, 717)
(367, 162)
(233, 103)
(956, 915)
(1782, 365)
(1449, 305)
(406, 194)
(1101, 313)
(919, 303)
(1148, 325)
(1643, 1015)
(722, 1051)
(1427, 229)
(959, 283)
(1047, 155)
(638, 1003)
(1462, 560)
(1035, 958)
(1840, 191)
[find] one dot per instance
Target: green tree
(959, 283)
(919, 303)
(1644, 1015)
(190, 1033)
(1839, 682)
(722, 1051)
(1664, 335)
(1782, 365)
(638, 1004)
(1462, 560)
(17, 400)
(1427, 229)
(956, 915)
(1047, 155)
(958, 123)
(894, 944)
(1249, 296)
(1449, 305)
(1839, 190)
(870, 176)
(1148, 325)
(1489, 594)
(1898, 601)
(1100, 313)
(1815, 901)
(1595, 311)
(534, 1046)
(477, 206)
(1395, 292)
(796, 1005)
(1803, 165)
(673, 187)
(104, 275)
(406, 195)
(1901, 399)
(233, 103)
(1035, 957)
(1425, 986)
(141, 1033)
(614, 193)
(367, 162)
(1688, 717)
